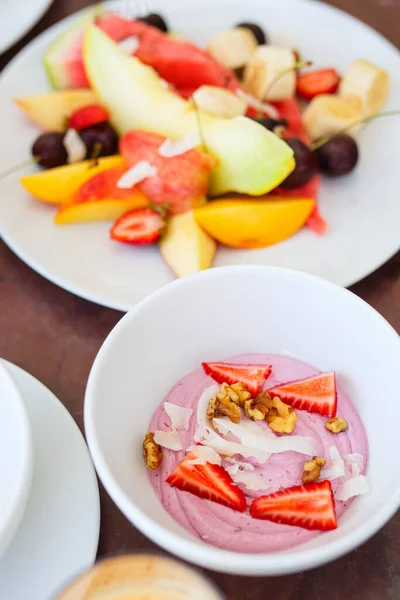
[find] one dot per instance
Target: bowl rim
(13, 518)
(198, 552)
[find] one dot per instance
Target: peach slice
(242, 223)
(51, 111)
(99, 199)
(57, 186)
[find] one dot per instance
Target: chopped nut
(337, 424)
(152, 452)
(225, 404)
(237, 392)
(312, 469)
(258, 408)
(281, 417)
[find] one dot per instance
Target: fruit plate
(362, 209)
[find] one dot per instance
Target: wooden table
(55, 336)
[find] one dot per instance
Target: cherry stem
(324, 140)
(299, 64)
(27, 163)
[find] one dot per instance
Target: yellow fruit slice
(253, 223)
(106, 209)
(185, 247)
(51, 111)
(56, 186)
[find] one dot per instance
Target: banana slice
(263, 75)
(233, 47)
(328, 114)
(219, 102)
(366, 84)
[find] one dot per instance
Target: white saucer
(59, 532)
(17, 18)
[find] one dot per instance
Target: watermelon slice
(179, 62)
(63, 60)
(290, 110)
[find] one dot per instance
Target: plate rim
(18, 374)
(101, 298)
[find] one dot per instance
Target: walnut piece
(312, 469)
(281, 417)
(225, 404)
(336, 425)
(152, 452)
(258, 408)
(236, 392)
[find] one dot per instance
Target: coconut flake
(253, 102)
(333, 471)
(335, 468)
(228, 448)
(129, 45)
(170, 148)
(241, 465)
(142, 170)
(200, 434)
(251, 481)
(254, 437)
(354, 462)
(74, 146)
(202, 406)
(180, 416)
(232, 469)
(168, 439)
(334, 454)
(204, 455)
(355, 486)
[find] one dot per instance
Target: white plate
(363, 210)
(59, 532)
(17, 18)
(15, 458)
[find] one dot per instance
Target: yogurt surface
(229, 529)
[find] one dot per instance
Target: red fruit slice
(308, 506)
(87, 116)
(251, 376)
(181, 181)
(104, 185)
(315, 394)
(141, 227)
(208, 481)
(313, 83)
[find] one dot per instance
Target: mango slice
(241, 223)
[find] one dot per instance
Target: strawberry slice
(87, 116)
(208, 481)
(315, 394)
(251, 376)
(308, 506)
(141, 227)
(314, 83)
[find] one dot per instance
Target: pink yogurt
(224, 527)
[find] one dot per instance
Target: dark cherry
(278, 126)
(338, 156)
(102, 134)
(49, 150)
(256, 31)
(306, 164)
(156, 21)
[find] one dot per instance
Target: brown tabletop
(55, 337)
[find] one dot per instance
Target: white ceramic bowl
(16, 458)
(220, 313)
